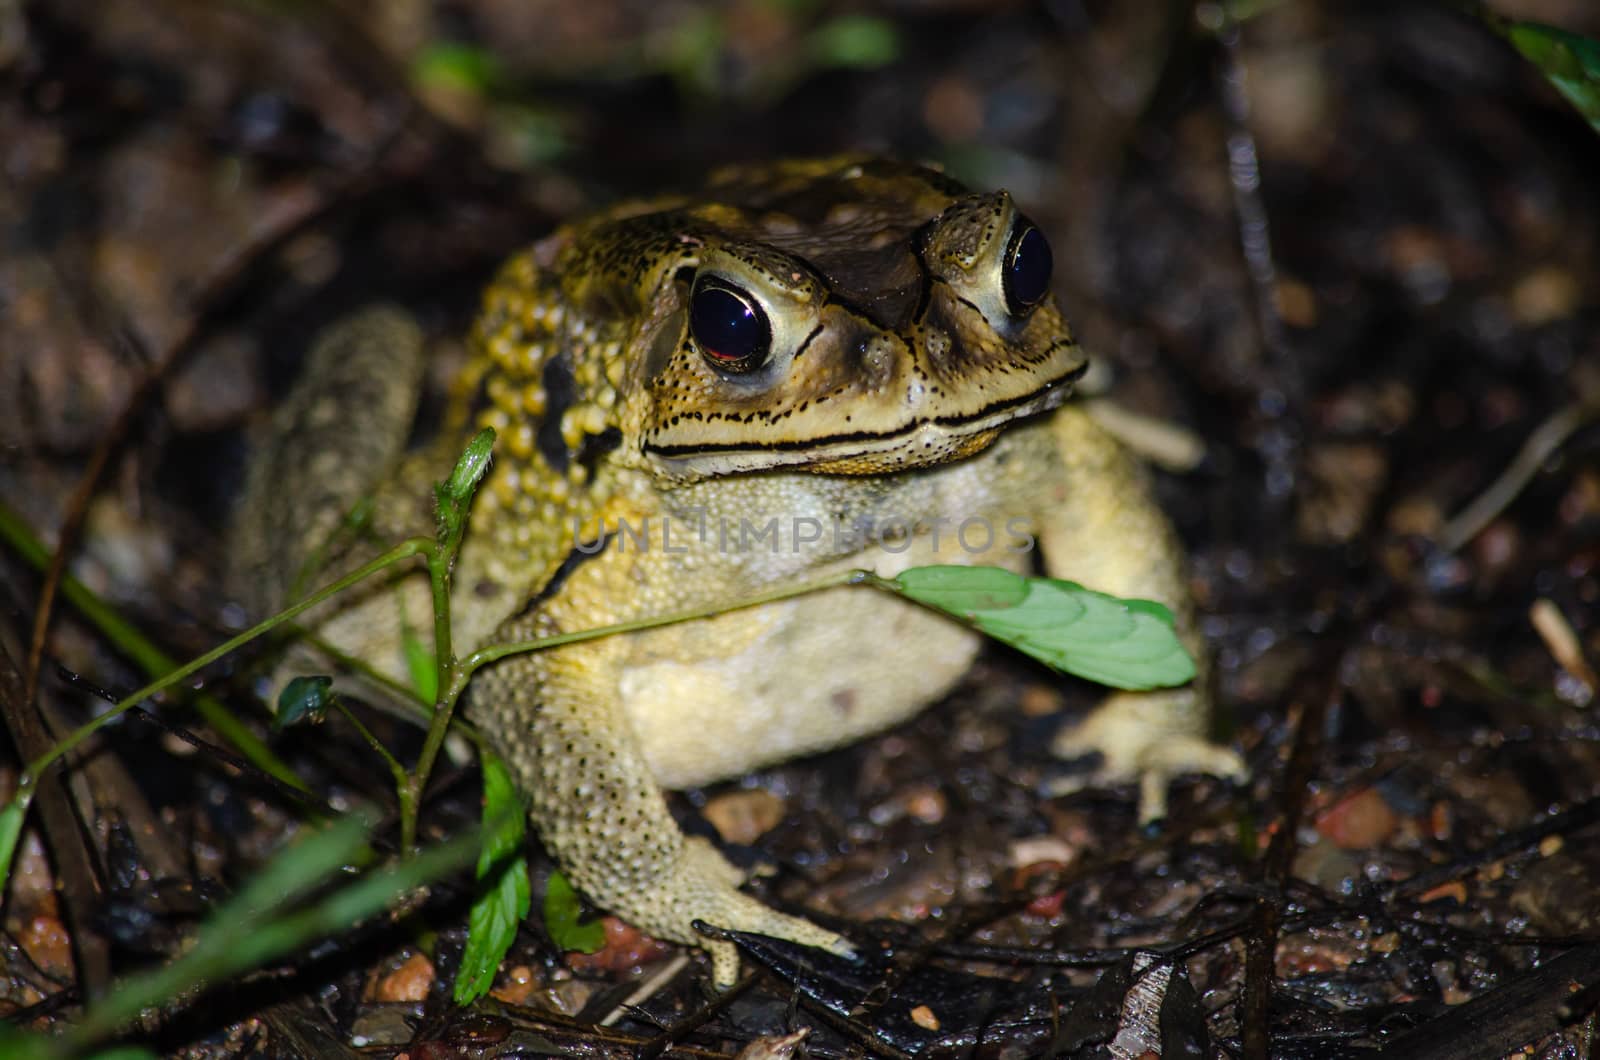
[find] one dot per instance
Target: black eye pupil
(1027, 270)
(729, 326)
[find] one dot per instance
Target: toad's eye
(729, 326)
(1026, 276)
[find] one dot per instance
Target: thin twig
(1544, 441)
(1275, 444)
(649, 988)
(76, 871)
(229, 272)
(1261, 944)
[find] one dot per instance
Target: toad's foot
(1152, 737)
(704, 886)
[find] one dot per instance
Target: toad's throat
(922, 440)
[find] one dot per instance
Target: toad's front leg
(1102, 528)
(559, 719)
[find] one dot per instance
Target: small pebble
(409, 982)
(744, 816)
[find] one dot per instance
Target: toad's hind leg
(1104, 530)
(335, 436)
(559, 718)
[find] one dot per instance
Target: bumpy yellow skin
(904, 413)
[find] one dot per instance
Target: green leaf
(304, 699)
(454, 494)
(1123, 643)
(860, 41)
(527, 136)
(271, 917)
(963, 589)
(19, 1045)
(561, 912)
(421, 665)
(691, 48)
(224, 942)
(10, 829)
(457, 66)
(1569, 61)
(504, 896)
(299, 866)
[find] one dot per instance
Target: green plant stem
(139, 649)
(439, 563)
(495, 652)
(452, 500)
(36, 768)
(396, 770)
(439, 582)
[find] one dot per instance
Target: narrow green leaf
(453, 496)
(420, 666)
(297, 868)
(304, 699)
(470, 468)
(243, 921)
(1570, 62)
(458, 66)
(1123, 643)
(529, 136)
(861, 41)
(14, 531)
(561, 912)
(10, 829)
(492, 928)
(504, 896)
(237, 937)
(19, 1045)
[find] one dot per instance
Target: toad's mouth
(918, 442)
